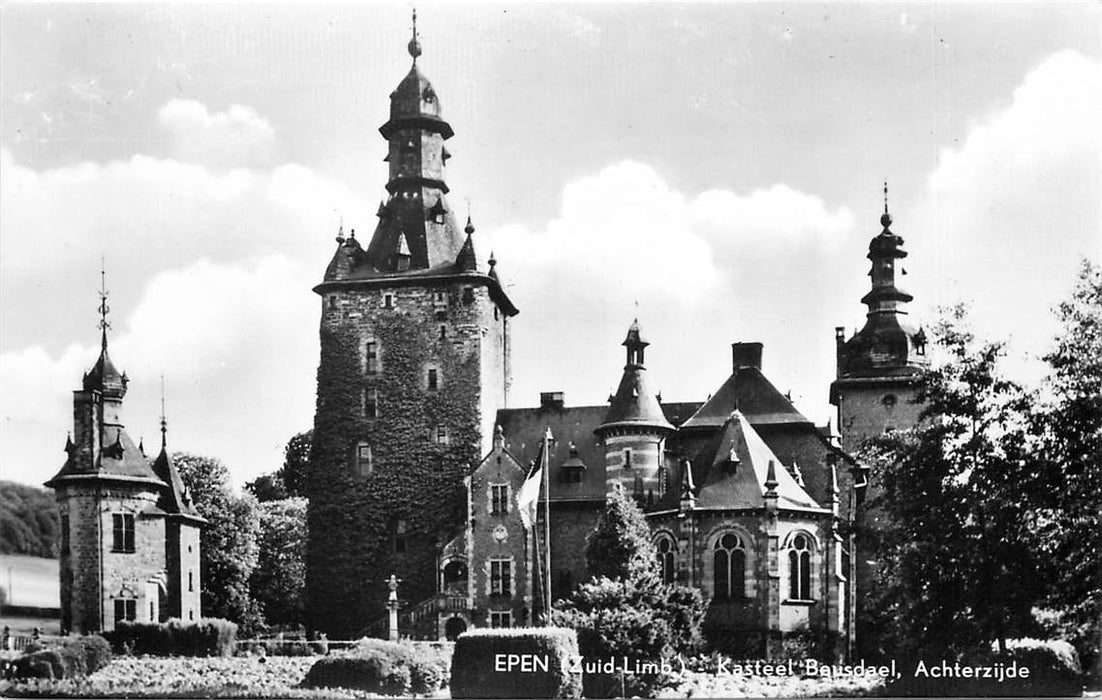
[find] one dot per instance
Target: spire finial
(886, 218)
(469, 228)
(164, 423)
(340, 231)
(414, 44)
(103, 307)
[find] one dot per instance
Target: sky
(715, 170)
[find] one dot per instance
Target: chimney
(551, 399)
(746, 355)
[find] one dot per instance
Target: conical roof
(174, 497)
(105, 377)
(634, 404)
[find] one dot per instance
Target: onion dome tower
(877, 367)
(634, 430)
(414, 366)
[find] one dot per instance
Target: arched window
(799, 568)
(729, 559)
(665, 548)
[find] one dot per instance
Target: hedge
(63, 657)
(379, 666)
(477, 665)
(207, 637)
(1053, 671)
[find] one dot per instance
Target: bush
(207, 637)
(646, 622)
(63, 657)
(1053, 671)
(379, 666)
(474, 664)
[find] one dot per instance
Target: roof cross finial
(103, 307)
(414, 46)
(885, 195)
(164, 423)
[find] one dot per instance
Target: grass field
(30, 580)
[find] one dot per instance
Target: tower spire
(103, 307)
(414, 46)
(886, 218)
(164, 423)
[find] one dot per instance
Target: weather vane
(103, 324)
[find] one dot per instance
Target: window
(123, 534)
(365, 461)
(443, 332)
(371, 403)
(572, 475)
(332, 302)
(799, 568)
(126, 610)
(388, 301)
(468, 296)
(152, 612)
(889, 401)
(190, 581)
(190, 615)
(501, 619)
(499, 499)
(433, 380)
(666, 559)
(441, 435)
(729, 560)
(399, 536)
(371, 357)
(64, 534)
(627, 459)
(501, 577)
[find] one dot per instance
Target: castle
(417, 461)
(129, 547)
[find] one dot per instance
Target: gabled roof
(731, 473)
(750, 393)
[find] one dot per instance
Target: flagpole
(547, 520)
(539, 568)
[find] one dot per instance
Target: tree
(958, 568)
(290, 480)
(1068, 526)
(28, 520)
(625, 609)
(228, 543)
(279, 580)
(620, 546)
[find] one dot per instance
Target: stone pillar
(392, 608)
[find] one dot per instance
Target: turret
(634, 430)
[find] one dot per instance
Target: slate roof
(748, 391)
(119, 457)
(723, 484)
(634, 404)
(175, 498)
(104, 376)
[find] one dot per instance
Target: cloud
(1016, 205)
(238, 137)
(626, 243)
(234, 333)
(230, 341)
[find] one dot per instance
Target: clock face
(501, 533)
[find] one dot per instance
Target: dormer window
(433, 379)
(438, 212)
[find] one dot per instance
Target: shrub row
(63, 657)
(379, 666)
(478, 673)
(207, 637)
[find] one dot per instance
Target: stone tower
(634, 431)
(879, 365)
(414, 366)
(129, 532)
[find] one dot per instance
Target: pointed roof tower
(417, 234)
(634, 405)
(888, 344)
(175, 499)
(104, 377)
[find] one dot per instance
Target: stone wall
(391, 512)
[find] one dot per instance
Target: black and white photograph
(516, 349)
